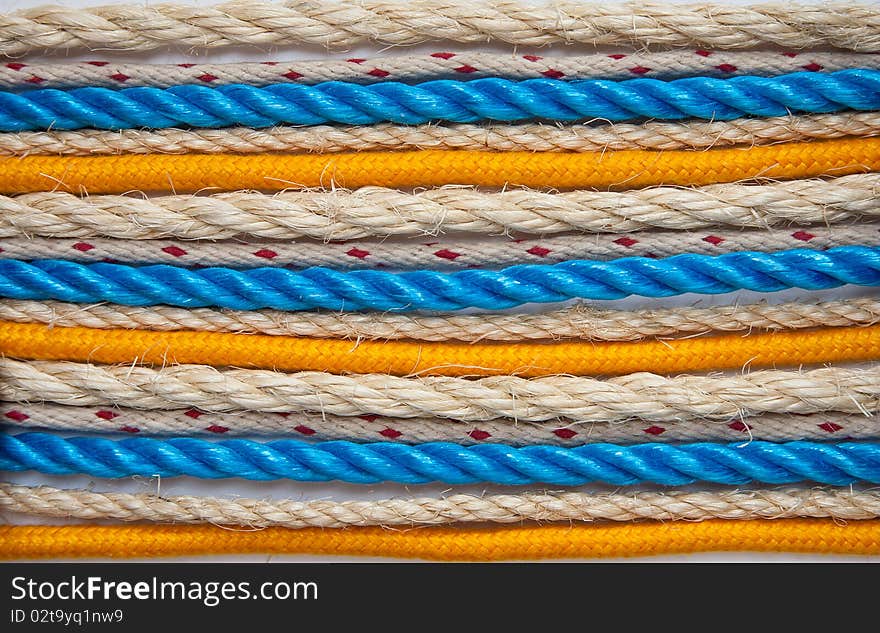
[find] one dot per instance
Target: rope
(442, 254)
(575, 322)
(371, 428)
(523, 137)
(670, 465)
(636, 396)
(491, 99)
(618, 170)
(282, 289)
(783, 503)
(35, 341)
(437, 65)
(340, 25)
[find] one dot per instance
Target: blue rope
(444, 100)
(312, 288)
(735, 463)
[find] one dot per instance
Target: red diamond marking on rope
(304, 430)
(129, 429)
(292, 75)
(106, 415)
(790, 54)
(119, 77)
(813, 67)
(829, 427)
(802, 236)
(655, 430)
(390, 433)
(356, 252)
(479, 435)
(740, 426)
(356, 60)
(565, 434)
(532, 58)
(176, 251)
(18, 416)
(265, 253)
(466, 69)
(443, 55)
(727, 68)
(703, 53)
(538, 251)
(617, 56)
(285, 414)
(35, 80)
(216, 428)
(186, 65)
(714, 240)
(369, 417)
(269, 63)
(207, 77)
(639, 70)
(195, 414)
(447, 254)
(378, 72)
(82, 247)
(15, 66)
(97, 63)
(626, 241)
(553, 74)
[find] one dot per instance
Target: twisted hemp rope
(283, 289)
(438, 65)
(672, 465)
(575, 322)
(492, 99)
(782, 503)
(643, 396)
(442, 254)
(384, 136)
(366, 428)
(138, 28)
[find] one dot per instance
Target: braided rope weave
(491, 99)
(643, 396)
(782, 503)
(377, 211)
(575, 322)
(523, 137)
(283, 289)
(370, 428)
(439, 254)
(835, 464)
(438, 65)
(339, 25)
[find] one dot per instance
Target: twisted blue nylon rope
(736, 463)
(312, 288)
(444, 100)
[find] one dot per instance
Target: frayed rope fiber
(629, 169)
(672, 465)
(491, 99)
(284, 289)
(400, 358)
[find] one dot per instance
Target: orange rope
(36, 341)
(447, 543)
(618, 170)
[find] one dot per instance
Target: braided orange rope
(37, 341)
(447, 543)
(617, 170)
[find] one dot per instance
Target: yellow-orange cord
(35, 341)
(824, 536)
(619, 170)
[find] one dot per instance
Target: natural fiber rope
(666, 464)
(376, 211)
(576, 322)
(35, 341)
(490, 99)
(282, 289)
(658, 135)
(780, 503)
(340, 25)
(438, 65)
(644, 396)
(439, 254)
(372, 428)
